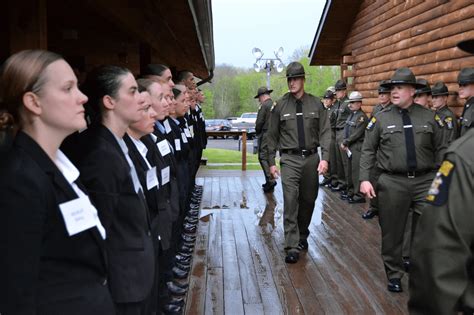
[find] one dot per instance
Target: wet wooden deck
(239, 268)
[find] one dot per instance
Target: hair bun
(6, 120)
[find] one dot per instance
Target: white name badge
(177, 144)
(78, 215)
(165, 175)
(185, 139)
(167, 126)
(163, 147)
(187, 133)
(151, 178)
(191, 130)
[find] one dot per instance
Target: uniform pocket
(312, 121)
(423, 135)
(393, 136)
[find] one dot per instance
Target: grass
(229, 156)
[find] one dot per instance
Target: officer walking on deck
(298, 125)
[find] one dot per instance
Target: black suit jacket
(106, 174)
(44, 270)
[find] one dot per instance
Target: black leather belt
(411, 174)
(299, 152)
(341, 128)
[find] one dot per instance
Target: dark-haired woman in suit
(53, 249)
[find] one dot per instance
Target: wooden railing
(234, 133)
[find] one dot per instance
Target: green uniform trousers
(263, 156)
(342, 159)
(398, 194)
(354, 167)
(300, 182)
(333, 159)
(374, 177)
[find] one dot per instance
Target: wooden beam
(348, 59)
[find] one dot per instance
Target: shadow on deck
(239, 268)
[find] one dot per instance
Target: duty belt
(410, 174)
(299, 152)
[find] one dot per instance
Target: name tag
(286, 115)
(78, 215)
(191, 130)
(177, 144)
(390, 127)
(407, 126)
(183, 136)
(167, 126)
(151, 178)
(163, 147)
(165, 175)
(187, 133)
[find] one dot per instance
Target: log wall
(420, 35)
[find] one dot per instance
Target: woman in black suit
(53, 249)
(112, 180)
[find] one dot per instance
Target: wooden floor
(238, 265)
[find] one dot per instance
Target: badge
(371, 123)
(165, 175)
(151, 178)
(167, 126)
(438, 192)
(163, 147)
(449, 122)
(439, 121)
(260, 107)
(183, 136)
(78, 215)
(361, 119)
(273, 106)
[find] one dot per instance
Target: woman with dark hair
(109, 174)
(158, 73)
(53, 250)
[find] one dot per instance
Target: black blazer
(124, 214)
(43, 269)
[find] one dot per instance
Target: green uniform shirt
(441, 274)
(356, 124)
(332, 116)
(446, 121)
(466, 121)
(385, 147)
(283, 130)
(341, 112)
(378, 108)
(263, 116)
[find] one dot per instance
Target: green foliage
(233, 89)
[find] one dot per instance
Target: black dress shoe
(344, 196)
(179, 274)
(325, 182)
(269, 187)
(182, 263)
(183, 260)
(356, 199)
(171, 309)
(292, 257)
(181, 285)
(178, 301)
(188, 238)
(174, 289)
(303, 245)
(336, 188)
(369, 214)
(183, 267)
(394, 285)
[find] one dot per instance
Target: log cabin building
(129, 33)
(369, 39)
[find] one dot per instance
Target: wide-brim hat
(355, 96)
(295, 70)
(466, 76)
(383, 89)
(426, 89)
(328, 94)
(402, 76)
(467, 45)
(439, 89)
(340, 85)
(262, 90)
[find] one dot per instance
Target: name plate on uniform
(187, 132)
(177, 144)
(185, 139)
(191, 131)
(165, 175)
(163, 147)
(166, 123)
(78, 215)
(151, 178)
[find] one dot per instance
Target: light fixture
(279, 52)
(257, 53)
(256, 67)
(268, 63)
(280, 67)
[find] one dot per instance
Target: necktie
(347, 128)
(409, 141)
(300, 124)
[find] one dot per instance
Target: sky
(241, 25)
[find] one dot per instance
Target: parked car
(249, 127)
(218, 125)
(247, 118)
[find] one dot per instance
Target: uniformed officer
(341, 113)
(331, 176)
(352, 144)
(466, 91)
(444, 117)
(298, 125)
(261, 128)
(405, 143)
(442, 279)
(423, 93)
(384, 102)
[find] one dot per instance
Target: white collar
(140, 146)
(69, 171)
(153, 137)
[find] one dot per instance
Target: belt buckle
(411, 174)
(303, 153)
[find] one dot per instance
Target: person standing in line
(423, 93)
(53, 244)
(298, 125)
(261, 128)
(331, 177)
(466, 92)
(444, 116)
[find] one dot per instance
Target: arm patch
(438, 192)
(439, 121)
(371, 123)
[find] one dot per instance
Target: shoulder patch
(449, 122)
(438, 192)
(439, 121)
(273, 106)
(371, 123)
(361, 119)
